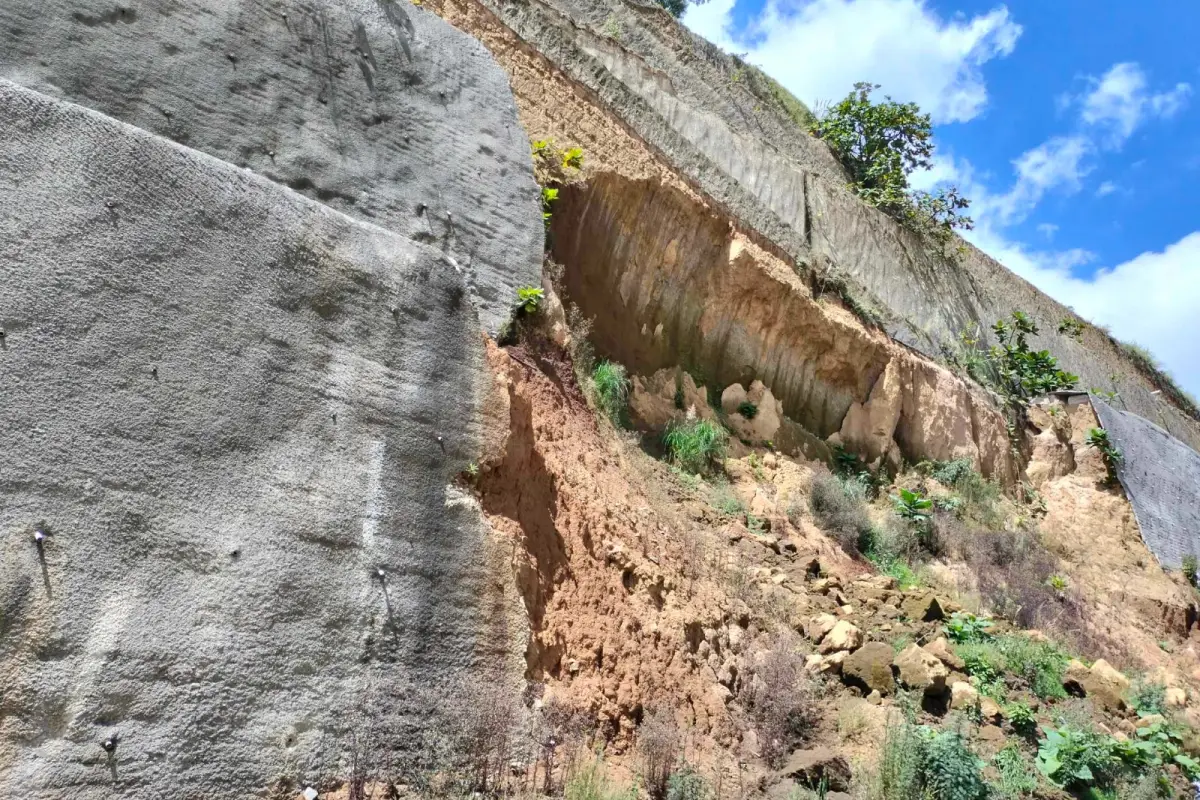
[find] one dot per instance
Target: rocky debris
(819, 627)
(762, 425)
(811, 768)
(921, 670)
(1103, 683)
(963, 696)
(989, 710)
(922, 607)
(844, 636)
(1074, 677)
(668, 394)
(1176, 697)
(1106, 686)
(870, 667)
(940, 648)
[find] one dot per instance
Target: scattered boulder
(1107, 686)
(810, 768)
(989, 710)
(940, 648)
(832, 663)
(1075, 677)
(963, 696)
(1176, 697)
(819, 627)
(844, 636)
(870, 667)
(655, 401)
(922, 607)
(763, 423)
(921, 670)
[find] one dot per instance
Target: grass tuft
(695, 445)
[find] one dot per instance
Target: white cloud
(818, 49)
(1150, 300)
(1047, 229)
(1105, 189)
(1118, 102)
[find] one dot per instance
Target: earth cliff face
(721, 128)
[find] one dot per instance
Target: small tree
(880, 145)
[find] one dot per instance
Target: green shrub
(1017, 776)
(549, 198)
(695, 445)
(1071, 327)
(1076, 758)
(1098, 438)
(1011, 368)
(880, 145)
(964, 627)
(529, 298)
(687, 784)
(1020, 716)
(979, 494)
(674, 7)
(610, 389)
(918, 763)
(747, 409)
(839, 507)
(588, 781)
(1040, 665)
(726, 501)
(899, 775)
(1189, 569)
(951, 770)
(912, 506)
(1148, 697)
(984, 661)
(889, 550)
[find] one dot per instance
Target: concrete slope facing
(229, 420)
(1161, 475)
(374, 107)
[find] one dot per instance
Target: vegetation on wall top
(880, 145)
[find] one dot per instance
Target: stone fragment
(1107, 686)
(1074, 677)
(963, 696)
(844, 636)
(832, 663)
(819, 626)
(922, 607)
(921, 670)
(870, 666)
(1176, 697)
(940, 648)
(989, 709)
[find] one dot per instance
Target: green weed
(695, 445)
(610, 388)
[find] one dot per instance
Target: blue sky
(1074, 128)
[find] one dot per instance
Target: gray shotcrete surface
(1161, 476)
(374, 107)
(226, 406)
